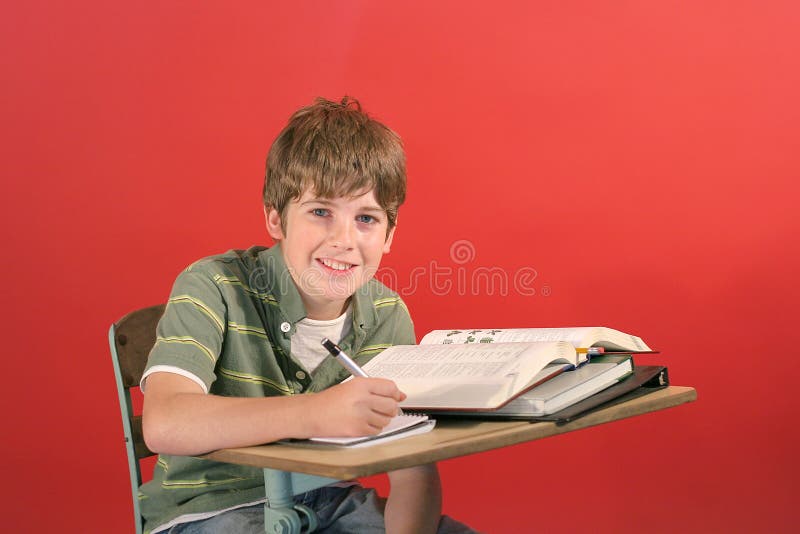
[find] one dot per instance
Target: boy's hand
(358, 407)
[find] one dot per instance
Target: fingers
(379, 402)
(384, 388)
(385, 406)
(361, 406)
(376, 422)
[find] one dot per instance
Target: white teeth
(335, 264)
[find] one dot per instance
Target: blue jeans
(340, 511)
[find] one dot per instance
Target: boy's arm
(180, 418)
(415, 500)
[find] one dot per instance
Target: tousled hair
(337, 150)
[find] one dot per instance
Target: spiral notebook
(400, 426)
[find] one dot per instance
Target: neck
(324, 311)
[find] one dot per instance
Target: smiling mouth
(335, 265)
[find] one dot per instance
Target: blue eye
(368, 219)
(319, 212)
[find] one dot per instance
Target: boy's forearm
(189, 424)
(179, 418)
(415, 500)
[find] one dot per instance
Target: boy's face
(332, 247)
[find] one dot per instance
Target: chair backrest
(131, 339)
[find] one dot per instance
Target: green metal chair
(131, 339)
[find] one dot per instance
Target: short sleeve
(394, 325)
(404, 329)
(191, 332)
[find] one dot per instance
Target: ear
(388, 244)
(273, 220)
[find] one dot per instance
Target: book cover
(644, 379)
(562, 390)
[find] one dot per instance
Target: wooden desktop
(450, 439)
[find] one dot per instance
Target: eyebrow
(326, 202)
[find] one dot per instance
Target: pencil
(590, 350)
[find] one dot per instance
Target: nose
(341, 234)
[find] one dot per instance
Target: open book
(484, 369)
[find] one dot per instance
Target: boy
(238, 359)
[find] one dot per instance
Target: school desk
(449, 439)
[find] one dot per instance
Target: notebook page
(400, 426)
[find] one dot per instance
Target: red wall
(641, 157)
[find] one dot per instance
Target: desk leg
(281, 515)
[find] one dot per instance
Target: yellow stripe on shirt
(200, 305)
(255, 379)
(187, 340)
(248, 330)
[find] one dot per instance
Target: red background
(642, 157)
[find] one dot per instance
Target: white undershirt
(307, 339)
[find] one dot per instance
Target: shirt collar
(364, 314)
(276, 282)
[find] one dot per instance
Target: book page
(616, 340)
(581, 336)
(506, 335)
(446, 362)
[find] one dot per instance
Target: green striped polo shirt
(229, 321)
